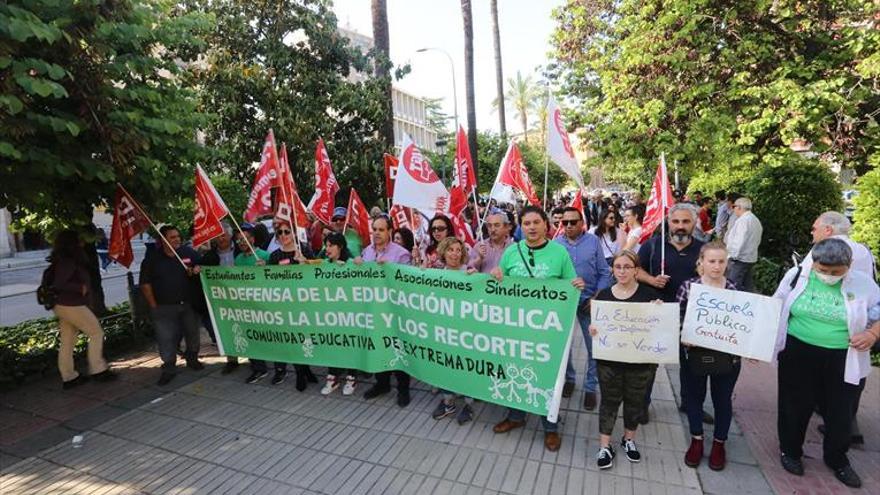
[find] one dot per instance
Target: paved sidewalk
(215, 434)
(755, 410)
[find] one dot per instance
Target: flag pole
(289, 201)
(347, 212)
(546, 154)
(477, 213)
(663, 214)
(238, 227)
(138, 206)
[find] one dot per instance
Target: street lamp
(441, 150)
(451, 66)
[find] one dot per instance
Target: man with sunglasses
(585, 250)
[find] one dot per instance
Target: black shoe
(165, 379)
(301, 381)
(229, 367)
(256, 376)
(76, 382)
(194, 364)
(708, 419)
(279, 377)
(792, 465)
(605, 457)
(567, 389)
(403, 398)
(848, 477)
(375, 391)
(104, 376)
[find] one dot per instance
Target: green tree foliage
(92, 93)
(720, 82)
(284, 66)
(866, 219)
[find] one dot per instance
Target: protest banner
(635, 332)
(501, 342)
(730, 321)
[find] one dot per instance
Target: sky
(525, 26)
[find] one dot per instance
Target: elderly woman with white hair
(835, 224)
(823, 353)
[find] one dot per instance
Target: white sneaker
(350, 384)
(330, 386)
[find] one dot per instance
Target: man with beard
(682, 253)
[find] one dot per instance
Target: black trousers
(809, 375)
(383, 380)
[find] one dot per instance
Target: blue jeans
(520, 415)
(591, 380)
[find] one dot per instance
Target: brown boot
(507, 425)
(552, 441)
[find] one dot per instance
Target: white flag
(417, 185)
(558, 146)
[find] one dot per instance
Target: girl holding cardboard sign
(700, 364)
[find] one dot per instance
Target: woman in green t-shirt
(824, 353)
(536, 257)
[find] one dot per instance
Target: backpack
(46, 293)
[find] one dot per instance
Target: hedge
(866, 219)
(31, 347)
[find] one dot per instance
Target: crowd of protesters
(830, 318)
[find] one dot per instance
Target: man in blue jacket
(585, 250)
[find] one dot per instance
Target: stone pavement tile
(93, 417)
(527, 479)
(642, 487)
(7, 461)
(137, 398)
(412, 485)
(430, 484)
(44, 439)
(53, 404)
(384, 481)
(365, 483)
(487, 467)
(471, 465)
(511, 477)
(396, 485)
(435, 465)
(17, 425)
(615, 485)
(735, 478)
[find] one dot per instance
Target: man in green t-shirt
(246, 257)
(536, 257)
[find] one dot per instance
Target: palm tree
(523, 94)
(382, 42)
(468, 22)
(499, 77)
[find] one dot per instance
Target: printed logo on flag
(560, 127)
(418, 167)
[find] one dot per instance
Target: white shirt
(609, 247)
(636, 234)
(743, 238)
(862, 259)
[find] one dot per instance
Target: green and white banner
(503, 342)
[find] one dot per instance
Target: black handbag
(702, 361)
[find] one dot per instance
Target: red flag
(462, 230)
(260, 201)
(403, 217)
(578, 203)
(326, 187)
(659, 203)
(128, 221)
(358, 218)
(464, 181)
(390, 174)
(513, 173)
(289, 205)
(209, 210)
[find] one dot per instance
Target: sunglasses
(438, 229)
(283, 232)
(570, 222)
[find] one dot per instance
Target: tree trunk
(524, 119)
(382, 43)
(499, 77)
(469, 78)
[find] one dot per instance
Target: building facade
(410, 111)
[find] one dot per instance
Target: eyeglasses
(570, 222)
(624, 268)
(283, 232)
(439, 228)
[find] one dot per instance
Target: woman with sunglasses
(536, 257)
(290, 254)
(625, 383)
(609, 234)
(440, 228)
